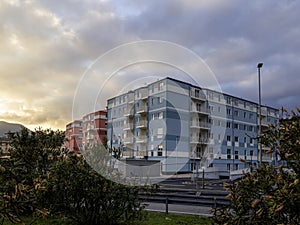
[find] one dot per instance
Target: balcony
(128, 140)
(264, 122)
(128, 113)
(196, 155)
(200, 125)
(201, 110)
(203, 141)
(198, 97)
(264, 111)
(143, 94)
(142, 109)
(142, 139)
(141, 124)
(128, 126)
(130, 98)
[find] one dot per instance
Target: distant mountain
(6, 127)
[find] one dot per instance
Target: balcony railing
(200, 110)
(204, 141)
(199, 96)
(141, 139)
(128, 140)
(142, 109)
(128, 126)
(196, 155)
(141, 124)
(195, 124)
(264, 111)
(128, 112)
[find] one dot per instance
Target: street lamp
(111, 133)
(259, 66)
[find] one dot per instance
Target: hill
(6, 127)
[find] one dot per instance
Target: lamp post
(111, 133)
(177, 137)
(259, 66)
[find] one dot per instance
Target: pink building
(94, 128)
(89, 131)
(74, 136)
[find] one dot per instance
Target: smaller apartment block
(74, 136)
(89, 131)
(185, 127)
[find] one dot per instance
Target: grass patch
(156, 218)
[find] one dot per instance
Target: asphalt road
(179, 209)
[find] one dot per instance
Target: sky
(48, 49)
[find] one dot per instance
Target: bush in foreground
(270, 195)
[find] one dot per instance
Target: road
(179, 209)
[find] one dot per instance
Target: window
(228, 138)
(250, 116)
(198, 107)
(160, 132)
(236, 154)
(152, 101)
(236, 139)
(228, 111)
(245, 140)
(159, 99)
(219, 109)
(211, 108)
(236, 113)
(159, 150)
(160, 115)
(228, 101)
(245, 105)
(236, 102)
(153, 116)
(197, 93)
(219, 123)
(228, 153)
(236, 126)
(245, 114)
(152, 88)
(250, 128)
(219, 137)
(219, 98)
(228, 124)
(161, 86)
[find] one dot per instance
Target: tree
(39, 178)
(270, 195)
(29, 160)
(85, 197)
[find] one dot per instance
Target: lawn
(155, 218)
(152, 218)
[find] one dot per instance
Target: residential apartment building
(74, 136)
(94, 128)
(89, 131)
(185, 127)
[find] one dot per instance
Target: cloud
(46, 46)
